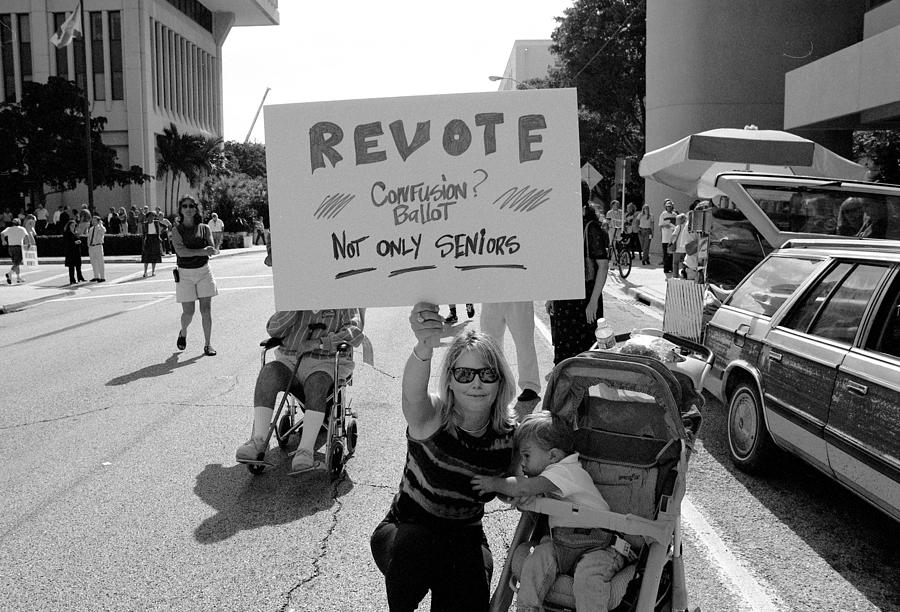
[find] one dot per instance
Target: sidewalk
(18, 296)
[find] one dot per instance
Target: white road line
(165, 293)
(743, 585)
(156, 301)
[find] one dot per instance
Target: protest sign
(453, 198)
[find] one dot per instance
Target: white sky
(352, 49)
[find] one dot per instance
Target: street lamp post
(502, 78)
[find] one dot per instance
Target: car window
(830, 211)
(803, 313)
(834, 308)
(772, 283)
(885, 334)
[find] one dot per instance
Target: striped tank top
(437, 477)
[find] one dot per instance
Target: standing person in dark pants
(151, 243)
(72, 251)
(432, 538)
(572, 321)
(666, 228)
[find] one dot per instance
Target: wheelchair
(339, 430)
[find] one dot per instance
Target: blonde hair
(503, 419)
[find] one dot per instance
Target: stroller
(635, 420)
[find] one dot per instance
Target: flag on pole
(67, 30)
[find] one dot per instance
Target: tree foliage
(882, 147)
(246, 158)
(238, 199)
(189, 156)
(600, 48)
(43, 143)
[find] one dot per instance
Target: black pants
(571, 332)
(75, 273)
(667, 258)
(454, 564)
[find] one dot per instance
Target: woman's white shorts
(195, 283)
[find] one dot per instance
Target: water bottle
(606, 339)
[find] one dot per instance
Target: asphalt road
(120, 490)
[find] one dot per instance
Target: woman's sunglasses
(467, 375)
(189, 206)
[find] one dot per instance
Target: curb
(647, 297)
(8, 308)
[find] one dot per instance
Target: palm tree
(192, 156)
(171, 156)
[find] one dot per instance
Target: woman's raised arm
(419, 407)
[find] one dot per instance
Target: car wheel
(749, 441)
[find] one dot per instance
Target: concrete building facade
(529, 59)
(712, 64)
(150, 64)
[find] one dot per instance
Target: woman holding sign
(432, 538)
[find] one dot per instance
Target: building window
(6, 55)
(98, 68)
(80, 68)
(196, 11)
(25, 48)
(62, 56)
(115, 55)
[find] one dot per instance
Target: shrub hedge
(113, 244)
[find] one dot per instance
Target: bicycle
(620, 256)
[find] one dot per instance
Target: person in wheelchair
(312, 336)
(551, 468)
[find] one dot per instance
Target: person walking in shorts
(14, 237)
(194, 282)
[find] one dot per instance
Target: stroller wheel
(352, 435)
(336, 460)
(255, 469)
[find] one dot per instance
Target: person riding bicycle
(313, 337)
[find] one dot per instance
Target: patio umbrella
(691, 164)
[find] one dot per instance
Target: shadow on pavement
(244, 501)
(151, 371)
(855, 539)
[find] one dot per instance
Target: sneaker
(250, 450)
(303, 460)
(528, 395)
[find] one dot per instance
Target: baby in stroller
(551, 468)
(633, 420)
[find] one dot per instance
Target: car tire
(749, 442)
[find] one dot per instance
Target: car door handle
(775, 356)
(857, 389)
(740, 334)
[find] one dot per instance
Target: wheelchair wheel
(351, 435)
(335, 460)
(287, 442)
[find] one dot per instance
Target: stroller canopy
(626, 394)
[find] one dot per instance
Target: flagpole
(87, 112)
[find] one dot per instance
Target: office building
(150, 64)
